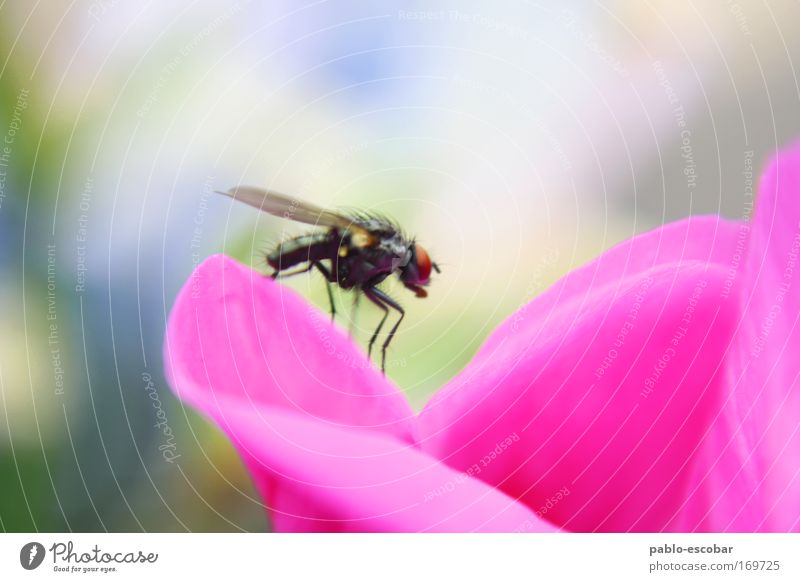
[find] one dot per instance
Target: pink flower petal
(750, 478)
(236, 333)
(708, 239)
(602, 387)
(317, 477)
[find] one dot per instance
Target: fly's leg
(328, 280)
(282, 275)
(325, 273)
(372, 295)
(356, 298)
(388, 301)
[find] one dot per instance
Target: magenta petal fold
(237, 333)
(608, 395)
(749, 477)
(768, 367)
(767, 371)
(317, 477)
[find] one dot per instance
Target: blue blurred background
(516, 142)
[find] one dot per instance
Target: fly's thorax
(398, 249)
(368, 265)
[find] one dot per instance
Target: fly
(358, 251)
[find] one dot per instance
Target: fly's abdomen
(302, 249)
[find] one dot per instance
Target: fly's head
(417, 271)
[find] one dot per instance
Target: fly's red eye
(423, 264)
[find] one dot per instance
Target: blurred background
(516, 143)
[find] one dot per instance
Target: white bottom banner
(404, 557)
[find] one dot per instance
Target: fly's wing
(285, 206)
